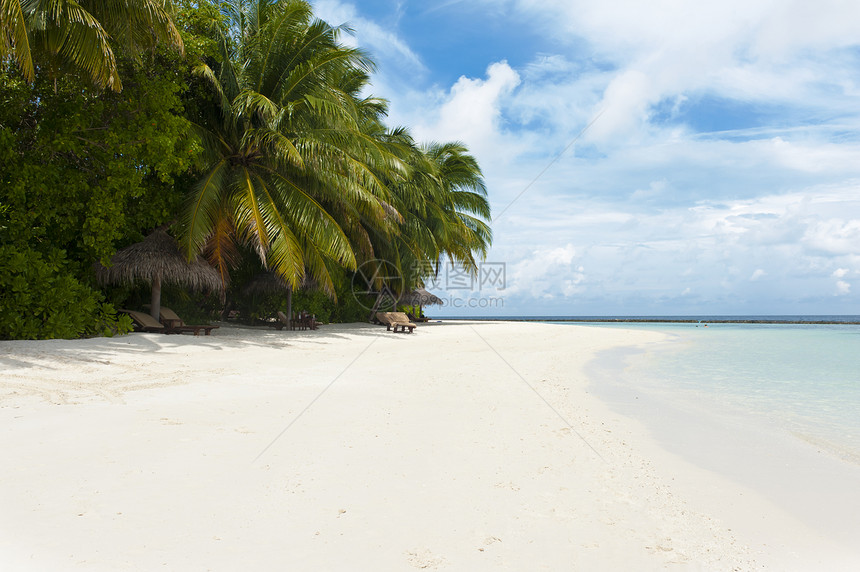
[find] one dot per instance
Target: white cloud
(381, 41)
(840, 273)
(546, 274)
(720, 251)
(471, 111)
(624, 107)
(834, 236)
(843, 288)
(670, 48)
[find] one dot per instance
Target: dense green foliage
(82, 171)
(257, 146)
(40, 299)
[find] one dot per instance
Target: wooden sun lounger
(282, 321)
(175, 325)
(143, 322)
(395, 320)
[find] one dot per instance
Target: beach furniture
(401, 320)
(308, 321)
(298, 322)
(302, 321)
(382, 318)
(395, 320)
(415, 318)
(143, 322)
(173, 324)
(283, 322)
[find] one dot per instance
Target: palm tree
(460, 205)
(286, 159)
(443, 203)
(80, 33)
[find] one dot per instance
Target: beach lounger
(143, 322)
(282, 322)
(402, 320)
(174, 325)
(395, 320)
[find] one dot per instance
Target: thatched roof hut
(157, 259)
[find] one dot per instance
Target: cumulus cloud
(547, 274)
(471, 110)
(673, 48)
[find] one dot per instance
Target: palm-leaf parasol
(420, 297)
(155, 260)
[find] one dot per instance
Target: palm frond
(14, 39)
(220, 250)
(203, 209)
(65, 29)
(318, 226)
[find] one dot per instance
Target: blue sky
(720, 175)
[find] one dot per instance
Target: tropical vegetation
(243, 126)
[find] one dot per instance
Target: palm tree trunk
(290, 308)
(155, 308)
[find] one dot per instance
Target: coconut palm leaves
(459, 206)
(443, 203)
(286, 158)
(14, 40)
(80, 32)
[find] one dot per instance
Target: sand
(464, 446)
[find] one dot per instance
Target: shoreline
(463, 446)
(679, 320)
(812, 481)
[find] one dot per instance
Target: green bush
(313, 302)
(352, 306)
(40, 300)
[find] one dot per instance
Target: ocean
(799, 379)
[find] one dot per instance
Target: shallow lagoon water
(803, 379)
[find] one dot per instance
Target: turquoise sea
(800, 379)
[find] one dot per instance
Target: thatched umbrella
(420, 297)
(155, 260)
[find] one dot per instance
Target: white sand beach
(464, 446)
